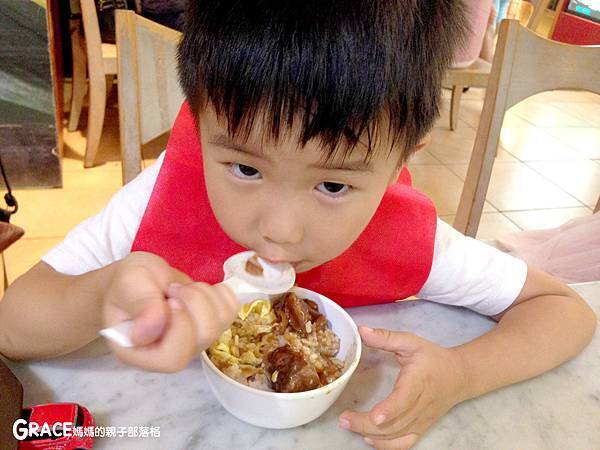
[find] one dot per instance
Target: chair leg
(477, 181)
(79, 75)
(95, 118)
(4, 284)
(472, 199)
(457, 92)
(110, 81)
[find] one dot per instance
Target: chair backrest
(540, 7)
(93, 41)
(524, 64)
(149, 92)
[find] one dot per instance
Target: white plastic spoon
(275, 279)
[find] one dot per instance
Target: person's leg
(487, 49)
(478, 13)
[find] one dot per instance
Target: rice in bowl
(284, 346)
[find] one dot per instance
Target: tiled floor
(547, 172)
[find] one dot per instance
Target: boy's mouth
(294, 264)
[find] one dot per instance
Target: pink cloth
(477, 13)
(570, 252)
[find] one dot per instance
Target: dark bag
(106, 16)
(9, 233)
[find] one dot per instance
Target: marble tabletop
(557, 410)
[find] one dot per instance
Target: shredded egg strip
(222, 348)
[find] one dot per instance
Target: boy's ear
(423, 143)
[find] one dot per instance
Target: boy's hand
(431, 381)
(174, 318)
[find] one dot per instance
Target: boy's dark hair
(340, 67)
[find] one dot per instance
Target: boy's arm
(546, 325)
(45, 313)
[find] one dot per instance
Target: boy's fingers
(202, 301)
(401, 443)
(401, 400)
(360, 422)
(391, 341)
(151, 322)
(171, 353)
(230, 300)
(220, 296)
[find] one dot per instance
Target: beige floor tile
(492, 225)
(470, 111)
(148, 162)
(581, 179)
(547, 115)
(422, 157)
(471, 94)
(448, 218)
(514, 187)
(454, 147)
(441, 186)
(73, 164)
(474, 94)
(460, 170)
(443, 121)
(536, 144)
(90, 179)
(588, 112)
(511, 120)
(584, 140)
(53, 212)
(546, 218)
(25, 253)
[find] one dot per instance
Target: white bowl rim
(311, 393)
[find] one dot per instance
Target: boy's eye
(245, 172)
(333, 189)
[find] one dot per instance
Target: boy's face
(283, 201)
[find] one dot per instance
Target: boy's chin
(305, 266)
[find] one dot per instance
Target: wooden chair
(538, 13)
(519, 70)
(478, 74)
(101, 69)
(149, 92)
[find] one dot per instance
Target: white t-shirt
(465, 272)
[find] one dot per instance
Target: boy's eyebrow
(224, 141)
(356, 166)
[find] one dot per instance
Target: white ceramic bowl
(287, 410)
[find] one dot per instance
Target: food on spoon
(253, 266)
(284, 346)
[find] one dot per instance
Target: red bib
(389, 261)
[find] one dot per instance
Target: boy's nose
(281, 227)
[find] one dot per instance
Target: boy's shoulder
(471, 273)
(106, 237)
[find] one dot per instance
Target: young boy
(299, 117)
